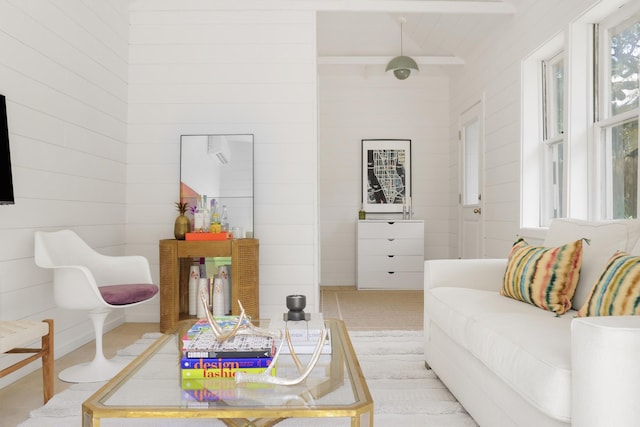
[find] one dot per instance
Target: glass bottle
(224, 220)
(215, 220)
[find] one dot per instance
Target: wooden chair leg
(48, 373)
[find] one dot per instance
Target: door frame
(476, 109)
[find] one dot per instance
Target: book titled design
(229, 363)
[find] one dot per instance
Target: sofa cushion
(542, 276)
(617, 291)
(536, 364)
(605, 238)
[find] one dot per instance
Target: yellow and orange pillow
(544, 277)
(617, 290)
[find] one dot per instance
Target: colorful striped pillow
(544, 277)
(617, 291)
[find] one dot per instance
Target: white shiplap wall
(63, 70)
(495, 74)
(195, 69)
(356, 105)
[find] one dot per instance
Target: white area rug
(404, 392)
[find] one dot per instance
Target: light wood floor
(360, 310)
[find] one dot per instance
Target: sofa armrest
(605, 371)
(482, 274)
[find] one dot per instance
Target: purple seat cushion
(127, 294)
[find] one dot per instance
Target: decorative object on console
(218, 297)
(182, 224)
(203, 291)
(296, 305)
(544, 277)
(223, 274)
(617, 291)
(194, 278)
(386, 174)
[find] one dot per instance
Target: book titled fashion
(221, 372)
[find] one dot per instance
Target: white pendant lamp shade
(402, 65)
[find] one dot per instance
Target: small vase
(194, 277)
(181, 227)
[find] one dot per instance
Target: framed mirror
(221, 168)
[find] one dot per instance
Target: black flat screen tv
(6, 178)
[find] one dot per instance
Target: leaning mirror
(221, 168)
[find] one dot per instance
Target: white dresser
(390, 254)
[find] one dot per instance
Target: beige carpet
(373, 309)
(404, 392)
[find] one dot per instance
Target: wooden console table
(176, 257)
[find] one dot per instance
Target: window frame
(604, 120)
(553, 190)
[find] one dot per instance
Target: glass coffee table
(151, 387)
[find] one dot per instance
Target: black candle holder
(296, 305)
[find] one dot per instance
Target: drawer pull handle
(391, 240)
(391, 222)
(390, 256)
(391, 272)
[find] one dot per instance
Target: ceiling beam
(390, 6)
(413, 6)
(383, 60)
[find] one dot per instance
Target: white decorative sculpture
(245, 327)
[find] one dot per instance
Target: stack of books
(304, 334)
(204, 359)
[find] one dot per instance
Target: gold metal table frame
(335, 388)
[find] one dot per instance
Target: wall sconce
(402, 65)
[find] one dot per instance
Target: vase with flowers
(182, 225)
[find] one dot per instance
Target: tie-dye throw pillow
(544, 277)
(617, 291)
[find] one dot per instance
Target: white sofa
(513, 364)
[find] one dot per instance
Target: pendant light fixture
(402, 65)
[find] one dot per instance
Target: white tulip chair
(84, 279)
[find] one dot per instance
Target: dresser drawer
(390, 229)
(386, 263)
(390, 246)
(383, 280)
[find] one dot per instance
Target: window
(552, 139)
(543, 135)
(616, 112)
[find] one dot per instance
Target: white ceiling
(434, 32)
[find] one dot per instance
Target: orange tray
(207, 236)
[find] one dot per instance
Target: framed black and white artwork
(386, 174)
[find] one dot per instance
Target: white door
(470, 229)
